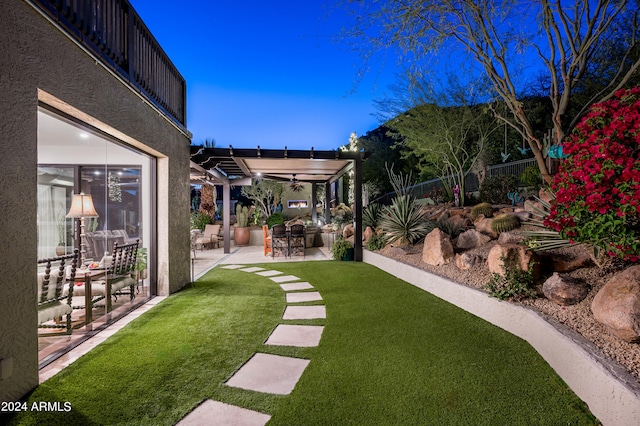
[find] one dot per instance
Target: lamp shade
(82, 206)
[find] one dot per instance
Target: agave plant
(371, 215)
(545, 238)
(403, 221)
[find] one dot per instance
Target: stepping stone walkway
(269, 373)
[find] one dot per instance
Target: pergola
(231, 166)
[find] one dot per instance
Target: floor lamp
(81, 207)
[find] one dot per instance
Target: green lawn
(390, 354)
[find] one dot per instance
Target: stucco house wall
(38, 63)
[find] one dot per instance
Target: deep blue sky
(267, 73)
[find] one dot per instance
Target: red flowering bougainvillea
(598, 186)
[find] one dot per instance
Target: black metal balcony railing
(114, 31)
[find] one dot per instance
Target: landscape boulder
(459, 222)
(368, 233)
(534, 207)
(510, 238)
(348, 231)
(471, 239)
(467, 260)
(438, 249)
(564, 290)
(522, 258)
(617, 305)
(483, 225)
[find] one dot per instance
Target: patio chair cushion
(52, 310)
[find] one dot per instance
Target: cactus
(505, 223)
(242, 214)
(483, 208)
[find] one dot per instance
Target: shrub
(516, 284)
(371, 215)
(531, 177)
(494, 189)
(341, 248)
(376, 242)
(199, 220)
(598, 186)
(451, 228)
(275, 219)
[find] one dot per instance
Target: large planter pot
(349, 256)
(242, 236)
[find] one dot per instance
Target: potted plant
(342, 249)
(242, 232)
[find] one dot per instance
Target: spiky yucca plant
(371, 215)
(403, 221)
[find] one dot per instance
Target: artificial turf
(390, 354)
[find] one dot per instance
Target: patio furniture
(119, 279)
(279, 241)
(53, 304)
(266, 239)
(297, 243)
(212, 232)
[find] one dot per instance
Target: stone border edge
(608, 389)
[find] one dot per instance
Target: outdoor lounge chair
(53, 304)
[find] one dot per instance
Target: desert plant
(598, 186)
(451, 228)
(340, 248)
(200, 220)
(242, 216)
(404, 222)
(275, 219)
(371, 215)
(544, 238)
(516, 284)
(376, 242)
(505, 223)
(531, 177)
(485, 209)
(494, 189)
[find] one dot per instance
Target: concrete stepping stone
(303, 336)
(217, 413)
(296, 286)
(232, 266)
(252, 269)
(304, 312)
(268, 273)
(307, 296)
(285, 278)
(269, 373)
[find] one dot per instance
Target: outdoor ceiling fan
(294, 184)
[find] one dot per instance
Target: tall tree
(563, 40)
(447, 129)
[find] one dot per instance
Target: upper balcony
(113, 31)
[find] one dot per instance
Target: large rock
(368, 233)
(459, 222)
(348, 231)
(522, 258)
(510, 238)
(471, 239)
(438, 249)
(617, 305)
(483, 225)
(467, 260)
(554, 262)
(564, 290)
